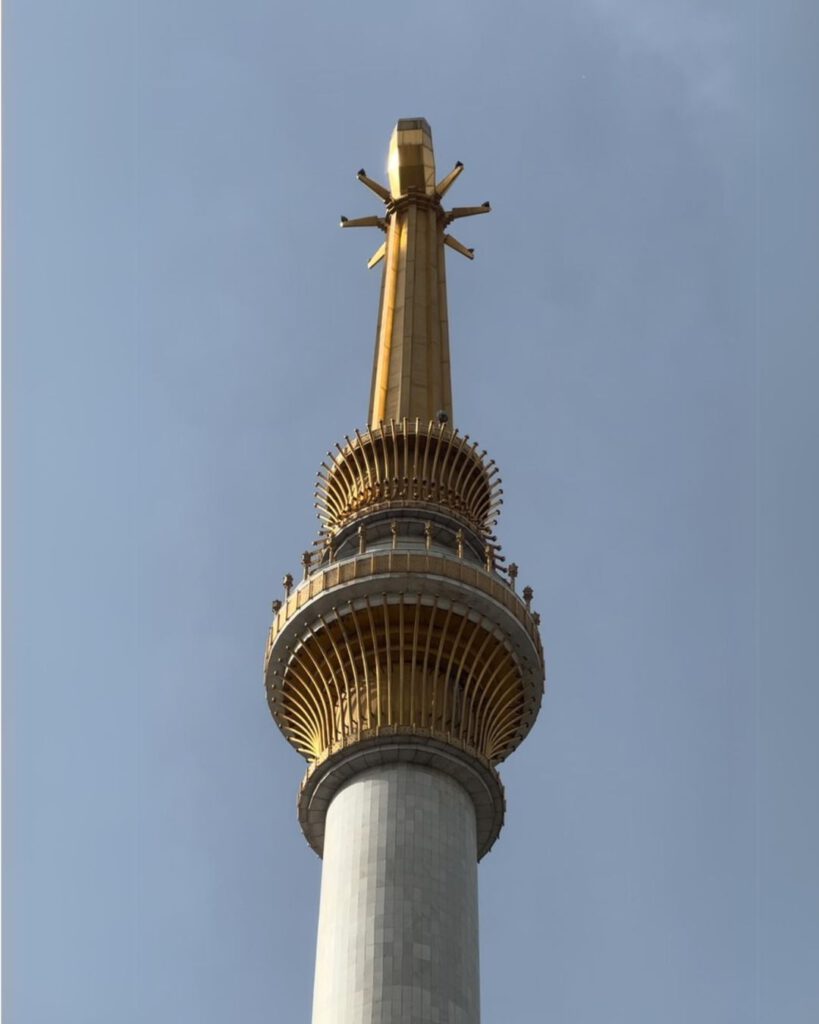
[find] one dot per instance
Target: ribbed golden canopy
(409, 464)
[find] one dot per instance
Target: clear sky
(187, 331)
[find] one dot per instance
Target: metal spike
(453, 243)
(446, 183)
(377, 256)
(466, 211)
(373, 186)
(364, 222)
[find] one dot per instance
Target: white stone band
(476, 775)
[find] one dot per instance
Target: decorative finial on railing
(288, 584)
(513, 574)
(306, 560)
(528, 594)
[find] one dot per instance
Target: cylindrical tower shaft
(398, 923)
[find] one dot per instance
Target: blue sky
(187, 332)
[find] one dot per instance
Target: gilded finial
(411, 370)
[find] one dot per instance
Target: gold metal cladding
(411, 368)
(409, 462)
(411, 162)
(401, 640)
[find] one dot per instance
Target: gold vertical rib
(382, 440)
(414, 656)
(444, 633)
(448, 672)
(316, 697)
(376, 662)
(473, 681)
(396, 474)
(426, 705)
(427, 439)
(365, 459)
(346, 709)
(355, 712)
(492, 715)
(493, 666)
(388, 658)
(360, 462)
(326, 676)
(464, 463)
(506, 723)
(463, 662)
(362, 647)
(345, 468)
(438, 446)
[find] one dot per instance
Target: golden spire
(406, 628)
(411, 372)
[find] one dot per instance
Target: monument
(404, 665)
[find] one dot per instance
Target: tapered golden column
(411, 370)
(404, 665)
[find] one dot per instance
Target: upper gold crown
(411, 161)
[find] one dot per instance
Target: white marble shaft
(398, 922)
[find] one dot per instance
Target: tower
(404, 666)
